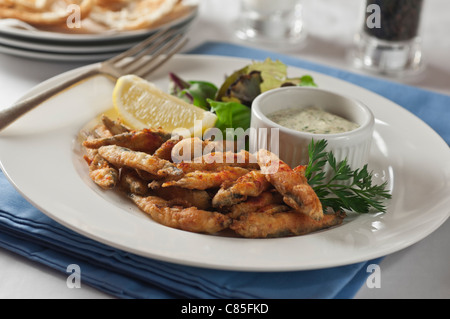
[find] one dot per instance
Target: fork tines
(145, 57)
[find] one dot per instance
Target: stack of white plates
(19, 39)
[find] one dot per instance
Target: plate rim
(64, 48)
(55, 56)
(434, 224)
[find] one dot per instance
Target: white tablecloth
(419, 271)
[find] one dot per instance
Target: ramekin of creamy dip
(285, 120)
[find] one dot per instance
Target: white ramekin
(292, 145)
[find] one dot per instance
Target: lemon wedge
(141, 104)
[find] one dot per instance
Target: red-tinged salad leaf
(177, 84)
(194, 92)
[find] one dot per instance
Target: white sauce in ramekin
(312, 120)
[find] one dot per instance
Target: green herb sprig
(356, 194)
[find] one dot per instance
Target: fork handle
(12, 113)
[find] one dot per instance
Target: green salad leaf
(231, 115)
(200, 92)
(307, 80)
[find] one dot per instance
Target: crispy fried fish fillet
(189, 219)
(279, 224)
(291, 184)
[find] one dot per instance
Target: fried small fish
(145, 140)
(254, 204)
(194, 148)
(185, 197)
(100, 171)
(281, 224)
(131, 182)
(124, 157)
(207, 179)
(115, 127)
(190, 219)
(251, 184)
(165, 150)
(292, 184)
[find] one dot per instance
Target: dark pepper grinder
(389, 42)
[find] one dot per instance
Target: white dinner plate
(78, 48)
(41, 156)
(27, 33)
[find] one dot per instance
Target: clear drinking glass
(389, 41)
(271, 22)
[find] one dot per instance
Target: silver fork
(161, 46)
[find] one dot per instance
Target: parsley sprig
(357, 194)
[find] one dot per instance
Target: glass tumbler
(271, 22)
(389, 41)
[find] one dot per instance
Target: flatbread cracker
(97, 16)
(125, 15)
(42, 13)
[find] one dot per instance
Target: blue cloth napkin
(28, 232)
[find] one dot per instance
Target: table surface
(419, 271)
